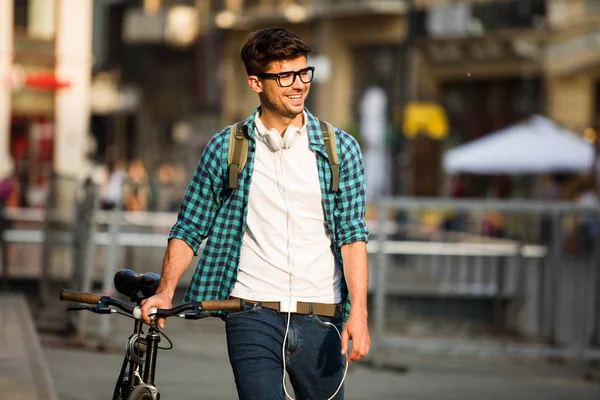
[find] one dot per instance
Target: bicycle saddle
(129, 283)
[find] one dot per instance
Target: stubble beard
(280, 109)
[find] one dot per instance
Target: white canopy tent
(536, 145)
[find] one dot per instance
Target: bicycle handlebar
(207, 305)
(79, 297)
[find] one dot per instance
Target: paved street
(49, 367)
(24, 373)
(197, 368)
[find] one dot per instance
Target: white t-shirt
(286, 247)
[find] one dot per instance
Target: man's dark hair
(268, 45)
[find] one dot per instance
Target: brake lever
(192, 315)
(99, 309)
(196, 313)
(79, 308)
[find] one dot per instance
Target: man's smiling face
(287, 102)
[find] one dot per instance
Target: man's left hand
(356, 329)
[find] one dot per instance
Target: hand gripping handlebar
(207, 305)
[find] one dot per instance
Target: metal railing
(435, 265)
(540, 291)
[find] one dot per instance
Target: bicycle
(136, 379)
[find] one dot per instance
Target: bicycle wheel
(141, 393)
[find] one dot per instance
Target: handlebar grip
(222, 305)
(80, 297)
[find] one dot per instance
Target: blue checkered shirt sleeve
(202, 201)
(351, 203)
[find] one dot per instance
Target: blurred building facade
(154, 79)
(187, 83)
(488, 63)
(155, 90)
(492, 64)
(45, 69)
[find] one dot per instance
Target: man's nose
(298, 84)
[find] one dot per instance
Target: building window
(476, 108)
(21, 11)
(35, 19)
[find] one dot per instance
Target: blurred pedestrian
(180, 180)
(548, 188)
(165, 188)
(113, 195)
(283, 239)
(99, 175)
(137, 188)
(456, 220)
(373, 131)
(494, 222)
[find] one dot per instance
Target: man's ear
(255, 83)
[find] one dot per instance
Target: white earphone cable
(291, 264)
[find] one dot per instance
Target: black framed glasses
(287, 78)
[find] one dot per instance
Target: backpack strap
(237, 153)
(330, 145)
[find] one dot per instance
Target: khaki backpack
(238, 153)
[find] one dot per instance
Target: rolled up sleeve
(202, 201)
(182, 231)
(351, 201)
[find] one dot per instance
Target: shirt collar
(311, 124)
(260, 127)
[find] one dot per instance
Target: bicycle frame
(138, 373)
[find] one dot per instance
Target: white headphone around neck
(276, 142)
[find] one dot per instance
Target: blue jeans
(313, 360)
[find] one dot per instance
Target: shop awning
(536, 145)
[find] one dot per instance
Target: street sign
(427, 118)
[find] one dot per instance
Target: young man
(283, 240)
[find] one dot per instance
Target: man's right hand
(177, 258)
(159, 300)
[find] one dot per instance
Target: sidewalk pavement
(197, 368)
(24, 372)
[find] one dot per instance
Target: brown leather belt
(302, 307)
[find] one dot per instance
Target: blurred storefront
(166, 74)
(158, 80)
(182, 58)
(476, 77)
(354, 44)
(356, 54)
(45, 68)
(492, 64)
(488, 63)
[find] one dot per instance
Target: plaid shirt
(211, 210)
